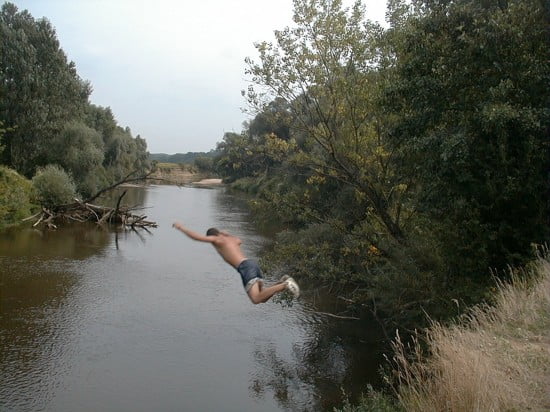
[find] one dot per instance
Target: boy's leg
(258, 294)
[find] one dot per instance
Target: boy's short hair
(212, 232)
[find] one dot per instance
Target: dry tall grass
(496, 359)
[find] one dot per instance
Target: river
(95, 319)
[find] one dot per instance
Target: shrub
(15, 199)
(53, 186)
(204, 164)
(372, 401)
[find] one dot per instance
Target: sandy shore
(208, 182)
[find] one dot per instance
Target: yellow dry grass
(496, 359)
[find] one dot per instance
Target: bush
(16, 194)
(53, 186)
(204, 164)
(372, 401)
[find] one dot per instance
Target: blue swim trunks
(250, 273)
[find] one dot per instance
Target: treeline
(46, 118)
(409, 162)
(183, 158)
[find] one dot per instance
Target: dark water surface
(91, 320)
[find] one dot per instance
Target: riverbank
(496, 358)
(181, 174)
(173, 173)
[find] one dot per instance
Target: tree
(124, 154)
(235, 156)
(40, 90)
(325, 70)
(276, 118)
(468, 93)
(102, 120)
(79, 150)
(204, 164)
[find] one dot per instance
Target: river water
(99, 319)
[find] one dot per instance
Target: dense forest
(408, 163)
(49, 130)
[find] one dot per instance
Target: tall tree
(40, 90)
(325, 68)
(78, 149)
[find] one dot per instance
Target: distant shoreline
(188, 181)
(208, 182)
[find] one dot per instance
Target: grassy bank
(496, 358)
(16, 194)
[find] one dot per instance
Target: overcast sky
(171, 70)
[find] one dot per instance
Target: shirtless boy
(229, 247)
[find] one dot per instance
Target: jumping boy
(229, 247)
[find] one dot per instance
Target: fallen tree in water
(86, 211)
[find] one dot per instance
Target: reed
(496, 358)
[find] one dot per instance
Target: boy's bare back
(229, 247)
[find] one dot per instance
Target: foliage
(39, 89)
(276, 118)
(78, 149)
(372, 401)
(325, 70)
(339, 189)
(204, 164)
(15, 202)
(478, 351)
(417, 154)
(469, 99)
(53, 186)
(241, 155)
(45, 114)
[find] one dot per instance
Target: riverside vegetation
(496, 358)
(407, 163)
(49, 131)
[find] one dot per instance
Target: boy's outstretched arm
(192, 234)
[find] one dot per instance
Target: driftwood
(85, 211)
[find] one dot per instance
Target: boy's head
(212, 232)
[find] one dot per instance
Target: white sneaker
(292, 286)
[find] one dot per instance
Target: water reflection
(335, 360)
(134, 196)
(70, 241)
